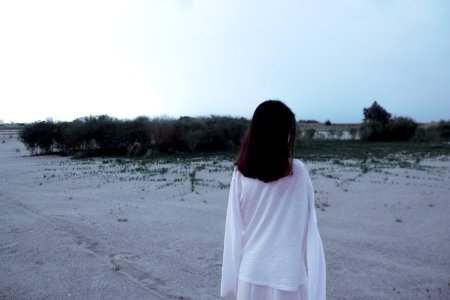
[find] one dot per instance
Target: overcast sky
(326, 59)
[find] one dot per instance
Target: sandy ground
(115, 229)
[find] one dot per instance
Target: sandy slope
(111, 229)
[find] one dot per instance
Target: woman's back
(274, 224)
(271, 222)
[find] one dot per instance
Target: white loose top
(270, 232)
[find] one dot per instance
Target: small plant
(321, 204)
(353, 132)
(121, 213)
(116, 266)
(192, 178)
(391, 208)
(364, 168)
(223, 185)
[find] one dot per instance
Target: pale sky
(326, 59)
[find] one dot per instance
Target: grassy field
(359, 150)
(335, 151)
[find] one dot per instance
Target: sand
(116, 229)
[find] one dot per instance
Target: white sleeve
(232, 241)
(314, 252)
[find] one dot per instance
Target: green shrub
(309, 134)
(443, 129)
(426, 135)
(39, 136)
(104, 135)
(400, 129)
(372, 131)
(379, 126)
(433, 133)
(353, 132)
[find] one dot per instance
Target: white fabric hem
(274, 286)
(249, 291)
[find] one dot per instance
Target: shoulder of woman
(299, 167)
(298, 163)
(236, 172)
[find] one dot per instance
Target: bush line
(104, 135)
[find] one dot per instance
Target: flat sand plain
(109, 228)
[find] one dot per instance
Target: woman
(272, 247)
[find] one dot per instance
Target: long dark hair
(267, 149)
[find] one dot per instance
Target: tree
(376, 113)
(376, 123)
(379, 126)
